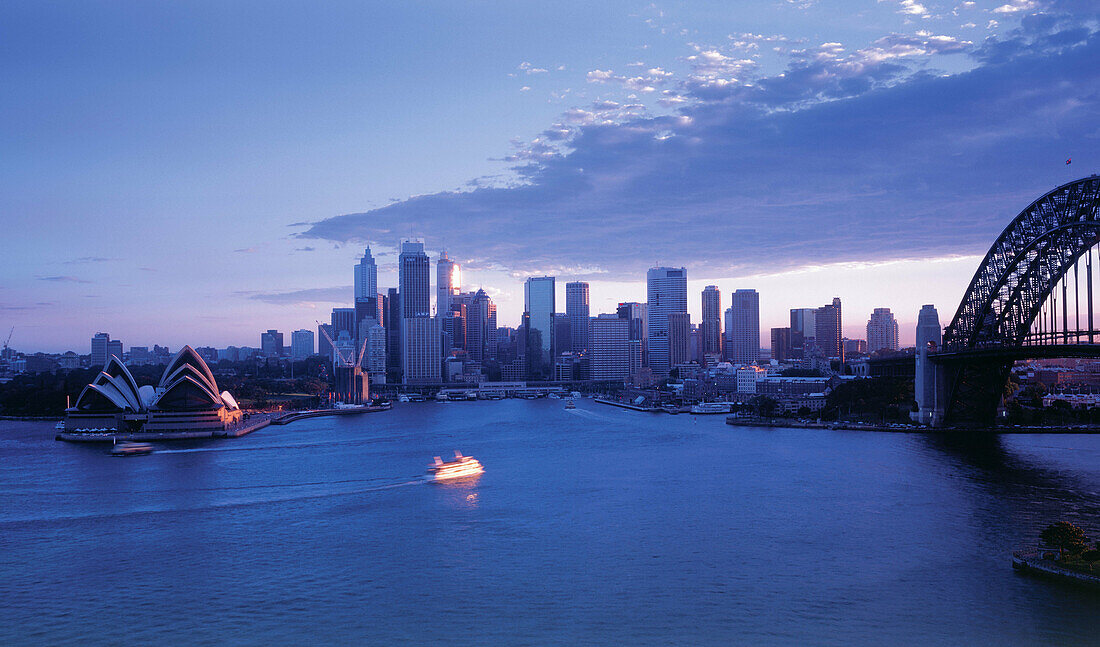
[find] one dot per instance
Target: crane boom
(335, 348)
(10, 333)
(362, 350)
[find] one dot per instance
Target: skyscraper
(803, 327)
(635, 313)
(666, 292)
(301, 344)
(415, 285)
(781, 344)
(609, 347)
(366, 277)
(324, 347)
(710, 328)
(414, 280)
(882, 331)
(343, 320)
(114, 348)
(679, 338)
(539, 309)
(744, 336)
(392, 324)
(576, 308)
(271, 343)
(481, 327)
(827, 329)
(99, 349)
(448, 283)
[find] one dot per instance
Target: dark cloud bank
(837, 160)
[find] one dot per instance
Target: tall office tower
(414, 280)
(114, 349)
(366, 277)
(343, 320)
(929, 338)
(609, 344)
(301, 344)
(635, 313)
(99, 349)
(854, 346)
(710, 328)
(393, 335)
(563, 333)
(803, 327)
(421, 362)
(271, 343)
(666, 291)
(882, 331)
(453, 324)
(324, 348)
(576, 307)
(448, 283)
(538, 311)
(481, 325)
(781, 344)
(374, 357)
(827, 329)
(744, 338)
(679, 338)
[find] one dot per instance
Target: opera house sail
(185, 403)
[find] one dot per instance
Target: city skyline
(816, 157)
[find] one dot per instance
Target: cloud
(303, 297)
(844, 156)
(245, 250)
(530, 69)
(305, 249)
(1016, 6)
(23, 307)
(62, 279)
(89, 259)
(912, 8)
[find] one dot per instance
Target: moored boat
(710, 408)
(570, 404)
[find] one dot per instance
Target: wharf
(1032, 562)
(632, 407)
(292, 416)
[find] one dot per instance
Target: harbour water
(594, 525)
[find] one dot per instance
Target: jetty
(1033, 562)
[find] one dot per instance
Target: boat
(441, 397)
(131, 449)
(60, 426)
(460, 467)
(710, 408)
(669, 409)
(402, 398)
(554, 396)
(569, 404)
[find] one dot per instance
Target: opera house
(184, 404)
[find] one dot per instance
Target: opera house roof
(186, 385)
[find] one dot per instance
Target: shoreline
(780, 423)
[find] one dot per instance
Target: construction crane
(346, 371)
(336, 351)
(10, 333)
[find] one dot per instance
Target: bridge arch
(1000, 308)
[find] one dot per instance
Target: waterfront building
(538, 315)
(803, 327)
(882, 331)
(828, 323)
(421, 359)
(609, 352)
(781, 344)
(448, 282)
(185, 403)
(271, 343)
(744, 323)
(99, 348)
(679, 339)
(748, 376)
(666, 292)
(926, 389)
(577, 309)
(301, 344)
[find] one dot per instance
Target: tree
(1066, 536)
(765, 407)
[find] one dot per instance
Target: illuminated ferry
(460, 467)
(131, 449)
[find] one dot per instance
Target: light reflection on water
(589, 526)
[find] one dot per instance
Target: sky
(199, 172)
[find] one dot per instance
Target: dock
(1032, 562)
(626, 405)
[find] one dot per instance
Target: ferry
(671, 410)
(131, 449)
(709, 408)
(460, 467)
(570, 404)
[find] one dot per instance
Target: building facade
(744, 333)
(828, 323)
(448, 283)
(577, 309)
(882, 331)
(609, 352)
(301, 344)
(539, 309)
(710, 327)
(666, 293)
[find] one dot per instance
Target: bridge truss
(1025, 300)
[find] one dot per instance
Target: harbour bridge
(1031, 298)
